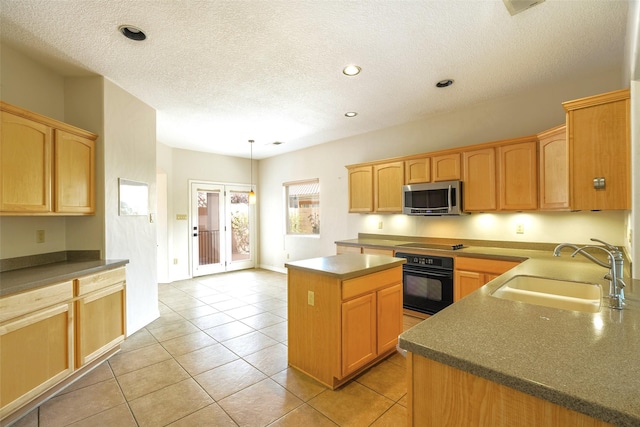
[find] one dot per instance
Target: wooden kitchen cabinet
(388, 179)
(470, 274)
(36, 343)
(46, 167)
(344, 249)
(553, 169)
(360, 189)
(25, 165)
(75, 173)
(417, 171)
(101, 311)
(479, 176)
(518, 175)
(441, 395)
(51, 335)
(337, 328)
(446, 167)
(598, 131)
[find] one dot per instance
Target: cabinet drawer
(100, 280)
(484, 265)
(371, 282)
(16, 305)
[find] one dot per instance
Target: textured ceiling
(222, 72)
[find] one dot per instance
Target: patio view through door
(221, 228)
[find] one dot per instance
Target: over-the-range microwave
(437, 198)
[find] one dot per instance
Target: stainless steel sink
(563, 294)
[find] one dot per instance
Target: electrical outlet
(630, 237)
(39, 236)
(380, 225)
(519, 228)
(311, 298)
(287, 255)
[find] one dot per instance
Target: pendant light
(252, 194)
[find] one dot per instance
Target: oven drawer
(371, 282)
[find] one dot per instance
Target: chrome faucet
(615, 266)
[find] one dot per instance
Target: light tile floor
(217, 356)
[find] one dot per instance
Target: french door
(221, 228)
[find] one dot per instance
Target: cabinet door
(446, 167)
(480, 180)
(389, 317)
(417, 171)
(36, 352)
(342, 249)
(358, 332)
(388, 179)
(466, 282)
(25, 165)
(377, 251)
(361, 189)
(518, 176)
(599, 149)
(553, 169)
(74, 173)
(100, 323)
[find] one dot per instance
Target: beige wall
(182, 166)
(521, 114)
(125, 148)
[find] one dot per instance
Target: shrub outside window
(303, 207)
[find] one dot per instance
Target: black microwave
(437, 198)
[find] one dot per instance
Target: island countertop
(587, 362)
(347, 266)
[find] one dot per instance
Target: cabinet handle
(599, 183)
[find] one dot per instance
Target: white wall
(182, 166)
(130, 153)
(518, 115)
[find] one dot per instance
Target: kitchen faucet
(615, 266)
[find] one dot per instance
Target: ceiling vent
(517, 6)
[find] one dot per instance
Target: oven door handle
(433, 273)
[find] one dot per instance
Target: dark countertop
(33, 277)
(346, 266)
(588, 362)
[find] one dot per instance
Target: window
(303, 207)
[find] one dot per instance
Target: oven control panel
(427, 260)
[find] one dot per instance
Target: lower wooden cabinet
(100, 323)
(337, 328)
(440, 395)
(49, 334)
(471, 274)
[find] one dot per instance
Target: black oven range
(427, 282)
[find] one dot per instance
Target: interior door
(222, 228)
(207, 229)
(240, 238)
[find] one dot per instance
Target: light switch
(39, 236)
(181, 217)
(311, 298)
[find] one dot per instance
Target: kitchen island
(506, 362)
(345, 314)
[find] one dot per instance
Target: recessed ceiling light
(277, 142)
(444, 83)
(351, 70)
(131, 32)
(351, 114)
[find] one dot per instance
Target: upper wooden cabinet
(46, 167)
(388, 179)
(479, 180)
(598, 130)
(518, 175)
(360, 189)
(417, 171)
(553, 169)
(446, 167)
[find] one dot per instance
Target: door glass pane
(239, 212)
(208, 227)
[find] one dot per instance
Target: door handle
(195, 234)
